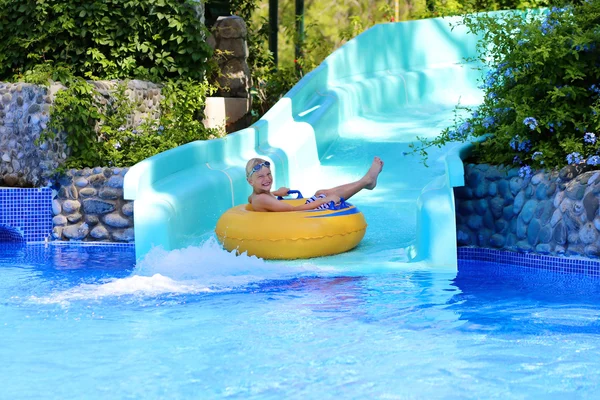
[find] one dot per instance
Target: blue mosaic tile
(562, 265)
(26, 211)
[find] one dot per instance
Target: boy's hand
(334, 198)
(282, 191)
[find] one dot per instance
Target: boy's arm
(282, 191)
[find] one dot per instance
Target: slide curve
(372, 97)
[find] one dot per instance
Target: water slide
(371, 97)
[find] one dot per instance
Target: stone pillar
(232, 108)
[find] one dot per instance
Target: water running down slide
(372, 97)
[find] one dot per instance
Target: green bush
(541, 86)
(98, 134)
(105, 39)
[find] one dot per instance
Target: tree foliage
(105, 39)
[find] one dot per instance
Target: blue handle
(292, 192)
(340, 206)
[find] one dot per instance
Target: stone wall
(24, 113)
(89, 206)
(553, 212)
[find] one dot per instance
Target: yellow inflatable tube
(291, 235)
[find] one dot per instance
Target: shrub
(106, 39)
(541, 87)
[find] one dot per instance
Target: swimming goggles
(257, 167)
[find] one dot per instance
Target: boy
(258, 174)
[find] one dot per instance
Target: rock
(511, 241)
(497, 241)
(519, 202)
(547, 212)
(115, 181)
(551, 190)
(76, 232)
(488, 220)
(480, 206)
(501, 226)
(503, 188)
(126, 235)
(128, 209)
(572, 238)
(575, 191)
(528, 210)
(515, 185)
(81, 182)
(496, 206)
(56, 207)
(108, 193)
(592, 251)
(107, 172)
(588, 233)
(560, 250)
(91, 220)
(116, 220)
(474, 222)
(71, 206)
(545, 234)
(566, 205)
(93, 206)
(507, 213)
(558, 199)
(537, 178)
(230, 27)
(465, 207)
(593, 178)
(68, 192)
(492, 189)
(57, 232)
(524, 246)
(87, 192)
(483, 237)
(463, 238)
(11, 180)
(494, 174)
(590, 203)
(481, 190)
(560, 233)
(99, 232)
(529, 192)
(97, 180)
(541, 192)
(543, 248)
(73, 218)
(521, 228)
(463, 192)
(533, 231)
(59, 220)
(597, 223)
(556, 217)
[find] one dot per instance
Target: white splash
(193, 270)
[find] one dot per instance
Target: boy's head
(258, 174)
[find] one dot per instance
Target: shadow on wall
(10, 234)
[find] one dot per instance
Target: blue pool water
(86, 322)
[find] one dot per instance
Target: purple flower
(525, 171)
(117, 145)
(593, 160)
(574, 158)
(517, 160)
(537, 156)
(589, 137)
(530, 122)
(488, 122)
(121, 129)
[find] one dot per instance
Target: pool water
(86, 322)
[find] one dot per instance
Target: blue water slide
(373, 96)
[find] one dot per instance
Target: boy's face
(261, 180)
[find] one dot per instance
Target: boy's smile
(262, 180)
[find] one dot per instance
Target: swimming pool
(85, 322)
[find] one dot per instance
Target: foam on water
(205, 268)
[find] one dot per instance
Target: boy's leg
(369, 181)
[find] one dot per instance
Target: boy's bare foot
(371, 176)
